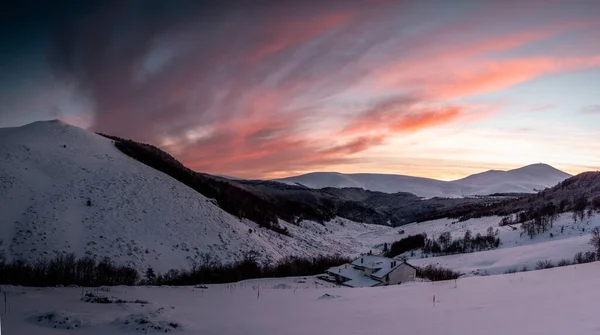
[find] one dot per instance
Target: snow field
(555, 301)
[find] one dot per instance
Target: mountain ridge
(526, 179)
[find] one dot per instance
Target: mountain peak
(540, 168)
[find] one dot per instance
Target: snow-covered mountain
(528, 179)
(65, 189)
(387, 183)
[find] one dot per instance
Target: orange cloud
(405, 114)
(491, 76)
(356, 145)
(448, 70)
(427, 118)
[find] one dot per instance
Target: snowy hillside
(528, 179)
(64, 189)
(517, 250)
(551, 302)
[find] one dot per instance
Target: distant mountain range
(527, 179)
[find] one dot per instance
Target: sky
(268, 89)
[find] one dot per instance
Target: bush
(437, 273)
(590, 256)
(511, 270)
(95, 299)
(595, 239)
(563, 262)
(545, 264)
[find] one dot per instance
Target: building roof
(381, 266)
(356, 278)
(371, 261)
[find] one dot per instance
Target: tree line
(247, 268)
(408, 243)
(446, 245)
(67, 270)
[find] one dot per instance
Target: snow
(516, 250)
(383, 265)
(528, 179)
(138, 216)
(555, 301)
(356, 277)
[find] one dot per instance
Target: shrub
(545, 264)
(437, 273)
(590, 256)
(95, 299)
(511, 270)
(595, 239)
(564, 262)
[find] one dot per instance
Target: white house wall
(401, 274)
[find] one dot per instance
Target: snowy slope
(138, 216)
(528, 179)
(552, 302)
(517, 250)
(387, 183)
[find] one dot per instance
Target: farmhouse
(371, 270)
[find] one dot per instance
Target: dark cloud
(223, 61)
(243, 87)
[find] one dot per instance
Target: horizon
(269, 90)
(376, 173)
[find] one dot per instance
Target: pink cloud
(244, 94)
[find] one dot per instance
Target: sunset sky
(266, 89)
